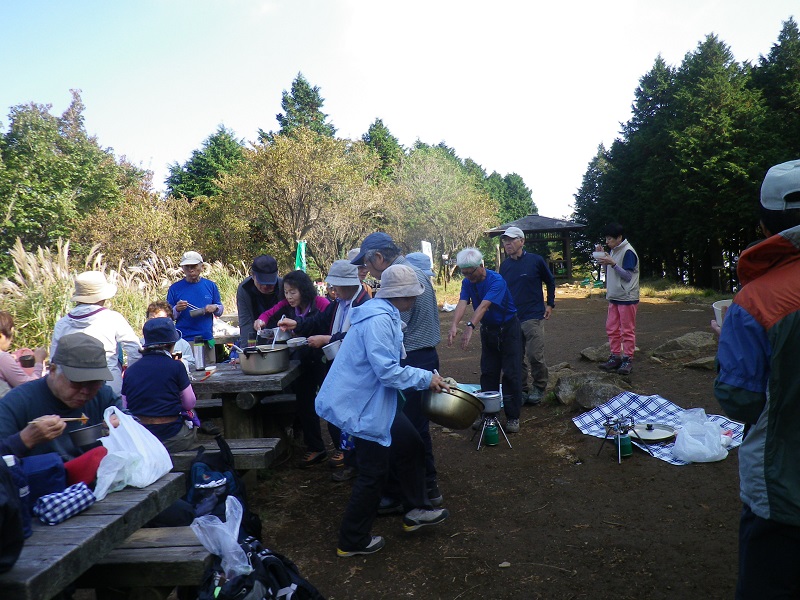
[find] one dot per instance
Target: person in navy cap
(158, 389)
(262, 290)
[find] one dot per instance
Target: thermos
(199, 352)
(21, 481)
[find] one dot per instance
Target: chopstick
(84, 418)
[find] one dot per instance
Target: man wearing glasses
(195, 300)
(501, 334)
(32, 414)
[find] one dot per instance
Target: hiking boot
(336, 460)
(311, 458)
(434, 495)
(345, 474)
(477, 424)
(420, 517)
(612, 364)
(626, 366)
(375, 544)
(534, 398)
(512, 426)
(390, 506)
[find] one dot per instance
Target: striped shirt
(422, 321)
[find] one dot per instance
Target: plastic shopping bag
(135, 456)
(699, 440)
(222, 538)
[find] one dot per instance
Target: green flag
(300, 257)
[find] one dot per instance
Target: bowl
(86, 436)
(455, 409)
(297, 342)
(720, 308)
(598, 255)
(330, 350)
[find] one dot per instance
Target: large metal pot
(455, 409)
(264, 360)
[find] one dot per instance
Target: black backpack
(274, 577)
(212, 478)
(11, 536)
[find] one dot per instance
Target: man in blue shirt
(193, 294)
(525, 272)
(501, 335)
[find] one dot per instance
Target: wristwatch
(470, 324)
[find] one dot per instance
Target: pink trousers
(621, 328)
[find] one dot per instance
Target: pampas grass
(39, 291)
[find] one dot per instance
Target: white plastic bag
(114, 472)
(699, 440)
(135, 456)
(221, 538)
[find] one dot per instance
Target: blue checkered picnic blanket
(648, 409)
(52, 509)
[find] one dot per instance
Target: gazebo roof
(536, 224)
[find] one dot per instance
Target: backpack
(274, 577)
(212, 478)
(11, 534)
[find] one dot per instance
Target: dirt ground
(548, 518)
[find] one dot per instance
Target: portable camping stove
(616, 428)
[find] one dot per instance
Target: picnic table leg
(240, 423)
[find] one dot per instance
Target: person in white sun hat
(360, 396)
(92, 317)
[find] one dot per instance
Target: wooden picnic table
(56, 555)
(241, 395)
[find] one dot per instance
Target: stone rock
(569, 384)
(691, 345)
(599, 353)
(557, 371)
(706, 362)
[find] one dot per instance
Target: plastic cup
(720, 308)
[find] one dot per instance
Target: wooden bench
(149, 564)
(209, 403)
(248, 454)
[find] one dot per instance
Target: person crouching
(359, 395)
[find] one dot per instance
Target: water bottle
(21, 481)
(199, 352)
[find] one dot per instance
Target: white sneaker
(419, 517)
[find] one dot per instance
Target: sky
(519, 87)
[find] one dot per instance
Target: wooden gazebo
(539, 231)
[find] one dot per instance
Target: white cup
(720, 308)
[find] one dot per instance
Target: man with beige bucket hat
(92, 317)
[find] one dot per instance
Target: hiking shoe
(420, 517)
(478, 422)
(210, 429)
(535, 397)
(512, 426)
(311, 458)
(390, 506)
(336, 460)
(612, 364)
(434, 495)
(345, 474)
(626, 366)
(374, 545)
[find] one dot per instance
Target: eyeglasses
(469, 272)
(80, 385)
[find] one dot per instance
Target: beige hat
(513, 233)
(191, 258)
(399, 281)
(343, 273)
(91, 287)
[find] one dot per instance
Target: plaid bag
(55, 508)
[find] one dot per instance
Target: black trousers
(404, 460)
(428, 359)
(769, 553)
(501, 355)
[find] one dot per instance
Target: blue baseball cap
(374, 241)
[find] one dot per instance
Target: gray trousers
(533, 350)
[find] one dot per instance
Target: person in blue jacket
(194, 293)
(360, 396)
